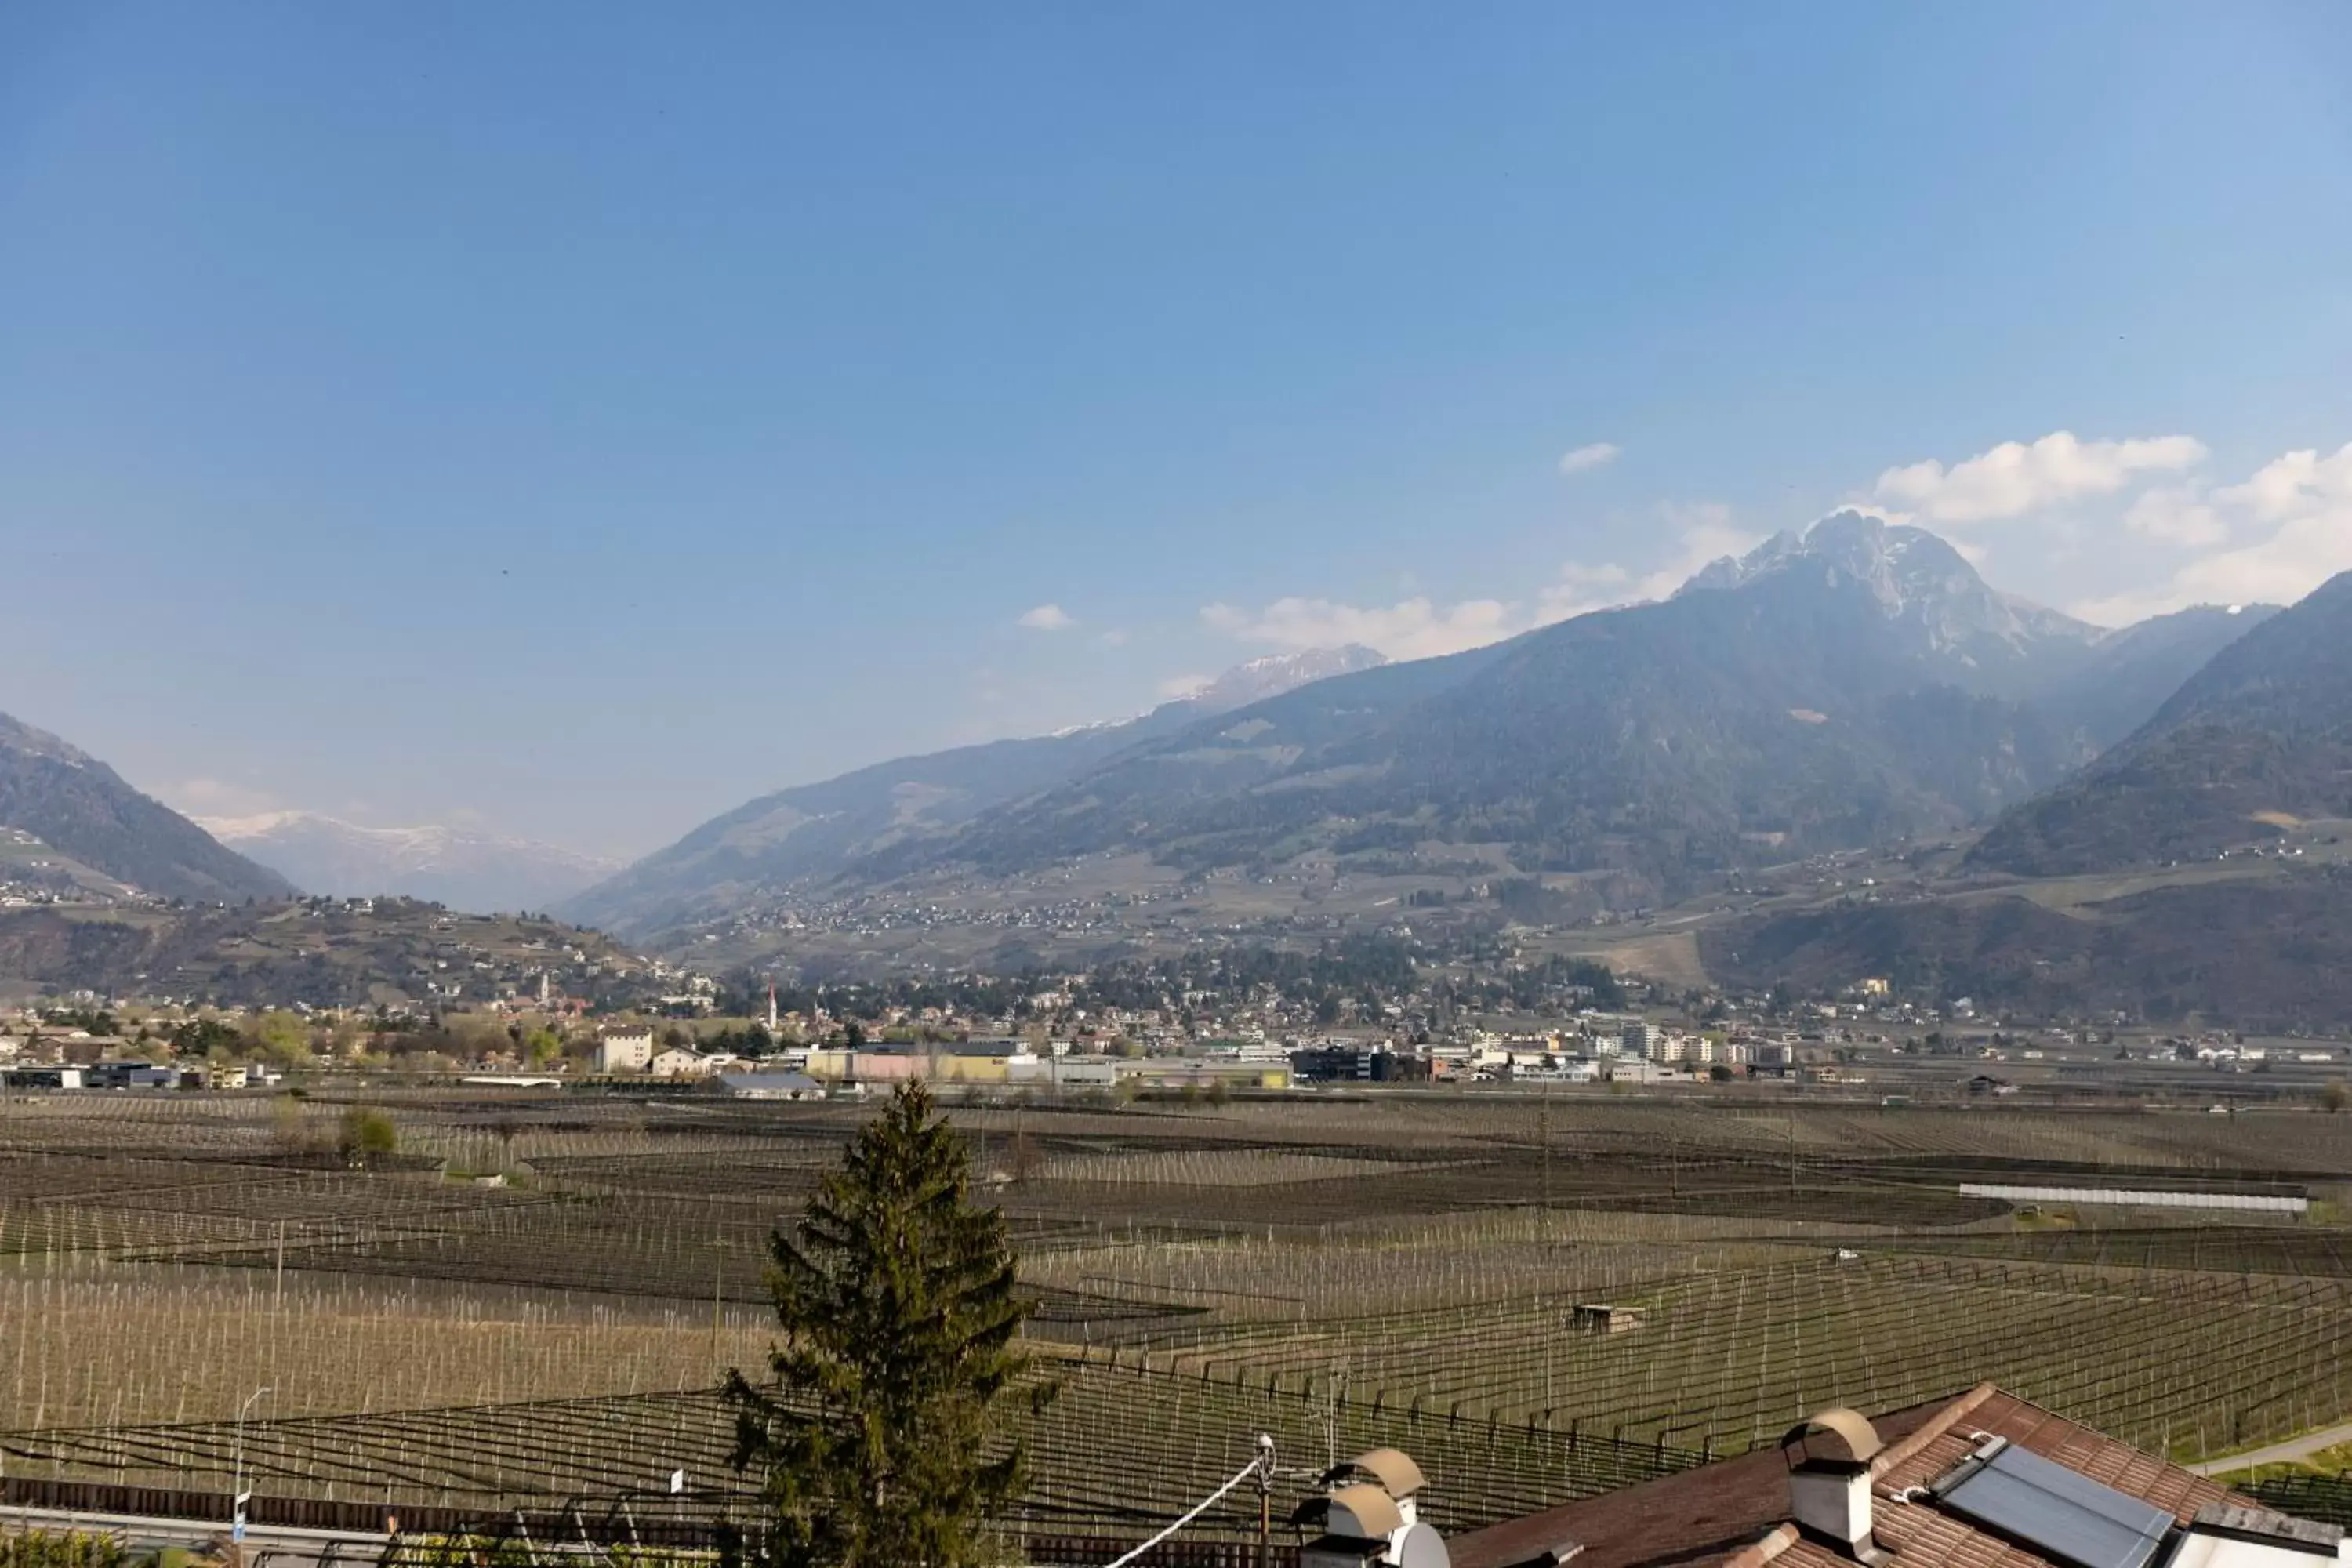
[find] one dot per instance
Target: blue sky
(576, 419)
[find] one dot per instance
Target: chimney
(1369, 1517)
(1829, 1459)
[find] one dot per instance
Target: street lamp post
(238, 1495)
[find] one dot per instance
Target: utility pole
(239, 1496)
(1543, 1133)
(1265, 1501)
(1331, 1398)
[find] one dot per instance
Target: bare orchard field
(532, 1301)
(93, 1344)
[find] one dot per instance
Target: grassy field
(1334, 1272)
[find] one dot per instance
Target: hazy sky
(576, 419)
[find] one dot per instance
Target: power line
(1262, 1464)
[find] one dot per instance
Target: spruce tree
(891, 1435)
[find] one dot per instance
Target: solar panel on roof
(2063, 1514)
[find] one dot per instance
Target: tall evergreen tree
(892, 1433)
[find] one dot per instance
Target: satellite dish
(1421, 1547)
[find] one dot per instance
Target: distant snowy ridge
(463, 868)
(1254, 682)
(1276, 673)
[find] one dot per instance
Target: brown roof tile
(1700, 1519)
(1949, 1416)
(1734, 1514)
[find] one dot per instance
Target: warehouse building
(771, 1085)
(1349, 1062)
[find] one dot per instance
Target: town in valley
(1176, 786)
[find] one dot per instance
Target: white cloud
(2017, 478)
(2280, 569)
(1048, 618)
(2305, 499)
(1114, 637)
(1598, 455)
(2177, 515)
(1579, 589)
(1419, 628)
(2296, 484)
(1177, 688)
(218, 799)
(1410, 629)
(2090, 518)
(1704, 534)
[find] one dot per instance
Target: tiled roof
(1734, 1514)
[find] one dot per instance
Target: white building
(625, 1052)
(772, 1086)
(1063, 1072)
(678, 1062)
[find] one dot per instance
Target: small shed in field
(1601, 1318)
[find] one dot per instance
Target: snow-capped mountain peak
(463, 868)
(1917, 578)
(1276, 673)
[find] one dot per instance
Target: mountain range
(87, 828)
(811, 832)
(2197, 869)
(2251, 745)
(1827, 691)
(457, 867)
(2052, 798)
(78, 806)
(1855, 684)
